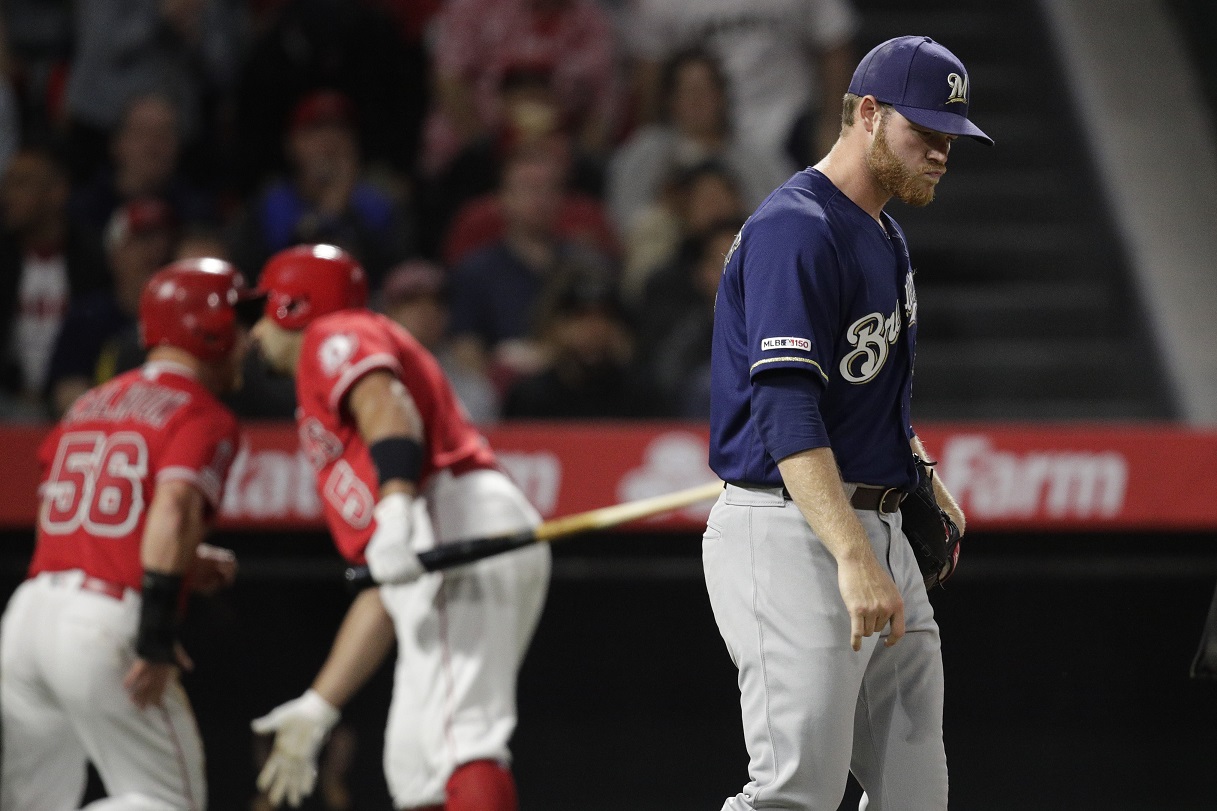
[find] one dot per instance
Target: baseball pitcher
(818, 594)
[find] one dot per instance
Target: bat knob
(358, 578)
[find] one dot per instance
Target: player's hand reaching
(402, 528)
(872, 599)
(300, 727)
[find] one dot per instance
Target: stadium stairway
(1026, 303)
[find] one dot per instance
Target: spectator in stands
(591, 372)
(415, 295)
(144, 154)
(477, 41)
(200, 242)
(184, 49)
(695, 127)
(532, 118)
(495, 290)
(785, 61)
(36, 42)
(677, 318)
(412, 16)
(355, 48)
(326, 199)
(578, 217)
(45, 262)
(139, 240)
(691, 202)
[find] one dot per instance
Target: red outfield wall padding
(1008, 477)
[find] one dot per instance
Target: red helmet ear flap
(305, 282)
(192, 304)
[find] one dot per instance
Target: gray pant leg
(773, 589)
(899, 756)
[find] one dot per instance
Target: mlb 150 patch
(802, 344)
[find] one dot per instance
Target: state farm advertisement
(1031, 476)
(1007, 477)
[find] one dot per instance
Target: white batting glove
(402, 526)
(301, 727)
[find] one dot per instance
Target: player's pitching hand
(402, 526)
(300, 727)
(872, 599)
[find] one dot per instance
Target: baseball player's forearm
(390, 425)
(383, 409)
(172, 533)
(815, 485)
(944, 497)
(174, 528)
(363, 641)
(867, 589)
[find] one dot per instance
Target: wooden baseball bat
(457, 553)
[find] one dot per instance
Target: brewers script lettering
(872, 335)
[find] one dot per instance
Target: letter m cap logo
(959, 88)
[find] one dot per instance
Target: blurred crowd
(541, 191)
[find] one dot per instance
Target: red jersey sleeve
(200, 450)
(337, 352)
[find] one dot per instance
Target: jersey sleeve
(338, 351)
(791, 306)
(201, 450)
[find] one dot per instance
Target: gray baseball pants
(813, 708)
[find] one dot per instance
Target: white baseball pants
(813, 708)
(461, 637)
(64, 652)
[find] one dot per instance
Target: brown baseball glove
(930, 530)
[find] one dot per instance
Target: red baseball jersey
(105, 458)
(337, 351)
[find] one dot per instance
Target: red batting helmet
(196, 305)
(308, 281)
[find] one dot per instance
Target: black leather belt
(866, 497)
(879, 499)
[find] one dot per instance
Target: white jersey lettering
(872, 335)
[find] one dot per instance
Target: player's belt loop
(880, 499)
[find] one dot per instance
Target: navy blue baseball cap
(924, 81)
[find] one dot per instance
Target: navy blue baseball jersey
(815, 283)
